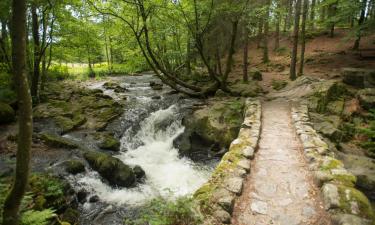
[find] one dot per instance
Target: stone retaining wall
(216, 198)
(346, 204)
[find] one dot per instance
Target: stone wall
(345, 203)
(216, 198)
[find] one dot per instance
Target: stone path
(279, 189)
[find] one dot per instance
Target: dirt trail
(279, 190)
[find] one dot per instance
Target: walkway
(279, 190)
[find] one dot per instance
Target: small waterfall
(167, 174)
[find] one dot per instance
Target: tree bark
(188, 55)
(265, 58)
(260, 32)
(278, 21)
(36, 63)
(13, 200)
(303, 39)
(295, 41)
(360, 22)
(312, 15)
(290, 12)
(245, 75)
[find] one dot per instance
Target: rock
(139, 172)
(327, 125)
(67, 124)
(248, 152)
(156, 86)
(107, 141)
(351, 107)
(110, 168)
(322, 177)
(70, 215)
(82, 195)
(94, 198)
(260, 207)
(156, 97)
(366, 98)
(221, 93)
(336, 107)
(225, 199)
(244, 164)
(57, 141)
(222, 216)
(234, 185)
(348, 219)
(330, 196)
(361, 78)
(250, 89)
(74, 166)
(7, 113)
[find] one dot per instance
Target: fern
(32, 217)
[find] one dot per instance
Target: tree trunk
(36, 39)
(295, 41)
(312, 15)
(260, 32)
(265, 58)
(290, 11)
(303, 39)
(332, 12)
(278, 21)
(360, 22)
(13, 200)
(245, 75)
(188, 55)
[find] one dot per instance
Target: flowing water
(146, 130)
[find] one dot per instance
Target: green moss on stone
(350, 194)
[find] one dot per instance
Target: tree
(25, 123)
(360, 22)
(303, 38)
(295, 40)
(265, 57)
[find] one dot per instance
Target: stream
(146, 130)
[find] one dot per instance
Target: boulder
(156, 86)
(366, 98)
(111, 169)
(139, 172)
(74, 166)
(361, 78)
(107, 141)
(57, 141)
(7, 113)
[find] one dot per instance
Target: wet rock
(107, 141)
(156, 86)
(110, 168)
(139, 172)
(68, 124)
(361, 78)
(366, 98)
(57, 141)
(156, 97)
(70, 215)
(74, 166)
(94, 198)
(82, 195)
(7, 113)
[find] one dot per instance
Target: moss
(325, 96)
(350, 194)
(203, 196)
(331, 164)
(74, 166)
(278, 84)
(57, 141)
(107, 141)
(7, 114)
(345, 179)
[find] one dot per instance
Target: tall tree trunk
(110, 51)
(13, 200)
(91, 71)
(332, 12)
(265, 58)
(245, 75)
(303, 39)
(4, 46)
(295, 41)
(188, 55)
(36, 39)
(290, 12)
(278, 21)
(360, 22)
(260, 32)
(107, 50)
(312, 15)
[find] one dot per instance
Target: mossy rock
(7, 113)
(110, 168)
(57, 141)
(353, 201)
(325, 93)
(68, 124)
(70, 216)
(256, 75)
(278, 84)
(74, 166)
(366, 98)
(107, 141)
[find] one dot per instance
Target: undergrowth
(369, 132)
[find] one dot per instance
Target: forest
(187, 112)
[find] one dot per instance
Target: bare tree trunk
(13, 200)
(290, 11)
(265, 58)
(303, 39)
(295, 41)
(188, 55)
(360, 22)
(36, 39)
(332, 12)
(245, 75)
(260, 32)
(278, 21)
(312, 15)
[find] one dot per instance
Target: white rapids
(167, 174)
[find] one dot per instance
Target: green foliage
(163, 212)
(32, 217)
(369, 131)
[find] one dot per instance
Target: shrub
(163, 212)
(369, 132)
